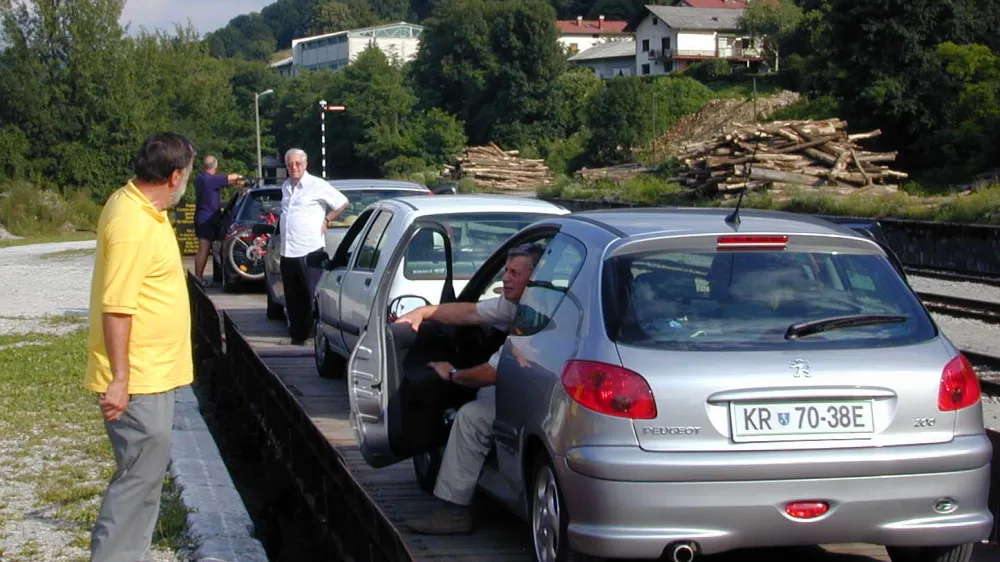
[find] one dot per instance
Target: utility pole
(323, 108)
(256, 113)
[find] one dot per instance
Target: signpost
(324, 108)
(182, 218)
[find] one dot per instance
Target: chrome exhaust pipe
(682, 552)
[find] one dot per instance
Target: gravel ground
(975, 291)
(46, 290)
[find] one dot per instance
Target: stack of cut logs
(618, 174)
(812, 153)
(490, 166)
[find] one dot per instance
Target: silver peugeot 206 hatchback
(679, 382)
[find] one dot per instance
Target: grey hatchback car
(677, 384)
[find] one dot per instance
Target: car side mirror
(446, 189)
(318, 259)
(406, 303)
(259, 229)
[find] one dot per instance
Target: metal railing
(349, 524)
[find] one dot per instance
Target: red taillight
(751, 242)
(959, 385)
(609, 389)
(806, 510)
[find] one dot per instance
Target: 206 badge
(801, 368)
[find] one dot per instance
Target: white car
(407, 231)
(360, 193)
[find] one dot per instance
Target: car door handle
(368, 282)
(338, 278)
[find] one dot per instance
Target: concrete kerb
(217, 520)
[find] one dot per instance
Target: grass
(981, 207)
(741, 90)
(75, 236)
(68, 254)
(58, 427)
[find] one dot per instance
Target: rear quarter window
(748, 300)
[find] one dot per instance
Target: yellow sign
(183, 220)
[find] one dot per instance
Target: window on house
(656, 21)
(645, 45)
(665, 43)
(645, 69)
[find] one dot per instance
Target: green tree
(71, 85)
(494, 65)
(772, 20)
(620, 119)
(330, 16)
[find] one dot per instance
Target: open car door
(388, 379)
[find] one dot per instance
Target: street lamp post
(323, 108)
(256, 113)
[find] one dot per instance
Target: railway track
(962, 275)
(961, 307)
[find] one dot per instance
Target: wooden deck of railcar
(393, 490)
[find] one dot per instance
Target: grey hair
(210, 162)
(296, 151)
(531, 251)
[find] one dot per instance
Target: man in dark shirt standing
(208, 205)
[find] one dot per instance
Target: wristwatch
(451, 374)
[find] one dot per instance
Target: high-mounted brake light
(609, 389)
(751, 242)
(959, 385)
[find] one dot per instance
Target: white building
(283, 67)
(607, 60)
(336, 50)
(579, 35)
(673, 37)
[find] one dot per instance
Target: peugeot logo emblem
(801, 368)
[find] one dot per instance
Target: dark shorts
(207, 230)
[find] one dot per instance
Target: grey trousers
(131, 504)
(468, 444)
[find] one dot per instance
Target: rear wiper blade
(816, 326)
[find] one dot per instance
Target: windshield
(474, 237)
(750, 301)
(359, 199)
(259, 203)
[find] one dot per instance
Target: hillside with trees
(79, 93)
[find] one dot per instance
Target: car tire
(227, 283)
(216, 271)
(274, 310)
(329, 365)
(550, 522)
(426, 466)
(959, 553)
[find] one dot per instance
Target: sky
(204, 15)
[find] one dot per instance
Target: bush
(27, 210)
(709, 70)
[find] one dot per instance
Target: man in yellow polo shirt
(140, 342)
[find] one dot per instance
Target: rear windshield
(259, 204)
(359, 199)
(474, 237)
(748, 300)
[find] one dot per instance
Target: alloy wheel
(545, 521)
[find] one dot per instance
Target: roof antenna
(733, 219)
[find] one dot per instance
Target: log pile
(490, 166)
(617, 174)
(811, 153)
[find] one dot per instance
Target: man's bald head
(210, 163)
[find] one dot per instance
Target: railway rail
(960, 275)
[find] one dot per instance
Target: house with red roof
(579, 35)
(670, 38)
(722, 4)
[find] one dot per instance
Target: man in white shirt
(469, 440)
(308, 203)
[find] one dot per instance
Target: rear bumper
(632, 519)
